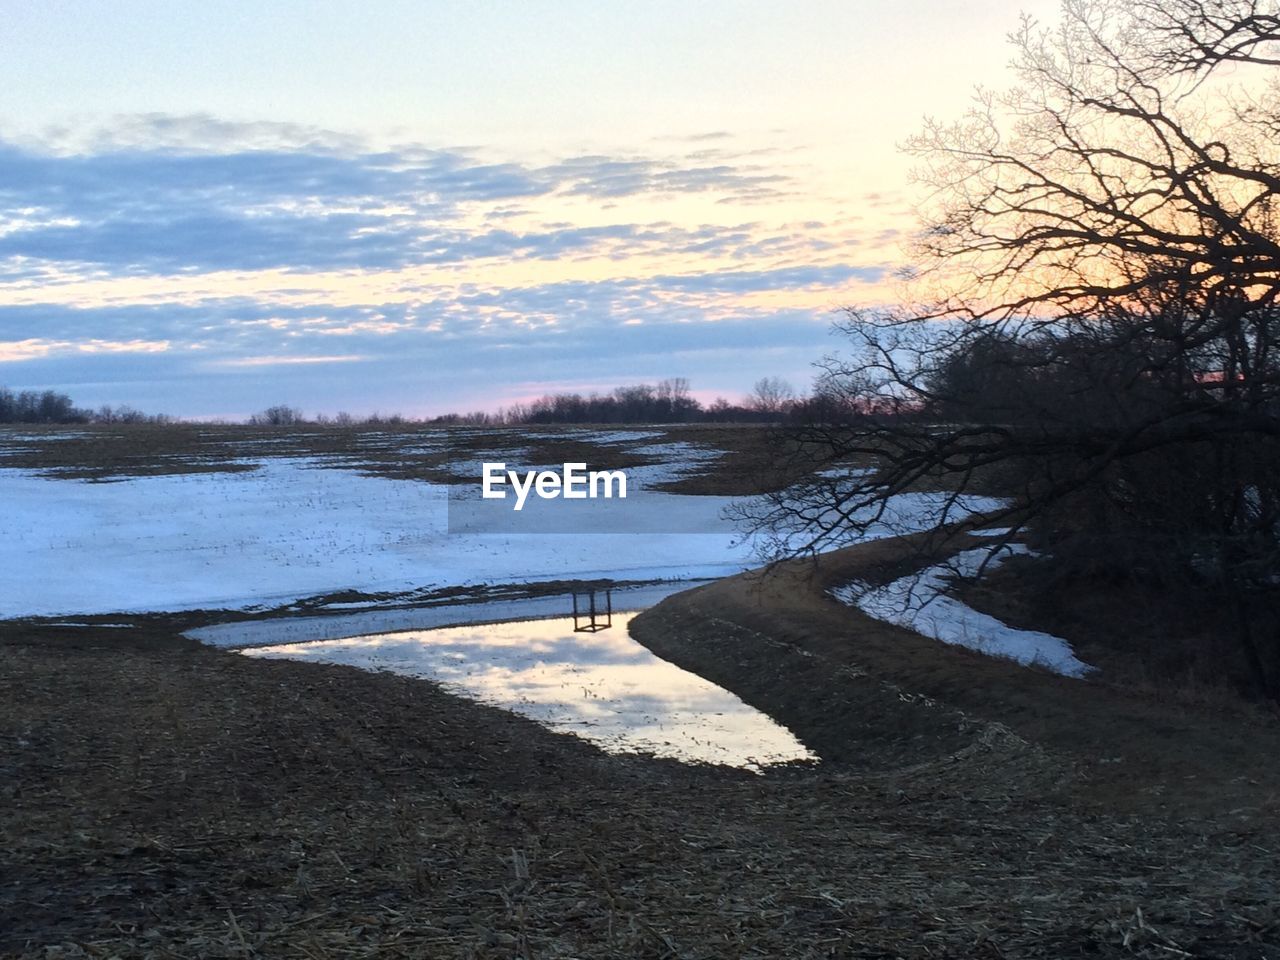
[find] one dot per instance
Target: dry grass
(169, 800)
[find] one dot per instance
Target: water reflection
(602, 686)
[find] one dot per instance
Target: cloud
(245, 326)
(287, 360)
(12, 351)
(600, 176)
(544, 326)
(424, 372)
(193, 132)
(783, 278)
(172, 255)
(159, 194)
(15, 351)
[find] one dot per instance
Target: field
(162, 797)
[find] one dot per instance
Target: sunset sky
(206, 209)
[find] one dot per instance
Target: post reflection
(602, 686)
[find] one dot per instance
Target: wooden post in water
(593, 618)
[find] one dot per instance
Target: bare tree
(1096, 333)
(47, 406)
(771, 395)
(280, 415)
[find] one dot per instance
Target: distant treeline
(49, 406)
(667, 401)
(31, 406)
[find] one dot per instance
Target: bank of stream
(585, 676)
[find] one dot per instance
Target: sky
(417, 207)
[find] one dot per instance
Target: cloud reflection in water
(604, 686)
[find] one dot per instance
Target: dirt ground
(163, 799)
(159, 798)
(1132, 748)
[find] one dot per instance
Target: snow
(289, 530)
(679, 453)
(919, 603)
(599, 436)
(472, 468)
(294, 528)
(845, 473)
(49, 437)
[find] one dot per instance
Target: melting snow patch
(846, 472)
(599, 436)
(919, 603)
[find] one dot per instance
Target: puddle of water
(603, 686)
